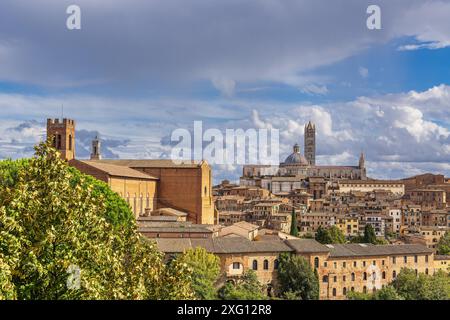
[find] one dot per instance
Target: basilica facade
(296, 169)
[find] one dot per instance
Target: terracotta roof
(441, 257)
(222, 245)
(363, 250)
(152, 163)
(246, 226)
(117, 171)
(306, 246)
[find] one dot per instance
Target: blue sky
(138, 70)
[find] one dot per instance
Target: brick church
(146, 184)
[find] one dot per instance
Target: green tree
(387, 293)
(323, 236)
(443, 246)
(294, 228)
(412, 286)
(336, 235)
(353, 295)
(369, 234)
(57, 225)
(205, 272)
(329, 235)
(296, 277)
(247, 287)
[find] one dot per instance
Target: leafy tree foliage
(443, 245)
(294, 228)
(205, 272)
(247, 287)
(421, 286)
(296, 278)
(329, 235)
(54, 220)
(409, 286)
(369, 234)
(387, 293)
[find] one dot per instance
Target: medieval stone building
(296, 169)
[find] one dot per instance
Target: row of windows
(353, 277)
(237, 265)
(364, 277)
(265, 264)
(344, 263)
(344, 290)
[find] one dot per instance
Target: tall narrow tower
(310, 143)
(62, 135)
(362, 166)
(95, 155)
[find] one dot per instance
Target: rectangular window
(236, 265)
(415, 259)
(405, 259)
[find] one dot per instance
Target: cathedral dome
(296, 158)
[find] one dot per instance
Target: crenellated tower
(62, 135)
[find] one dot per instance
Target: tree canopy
(64, 235)
(329, 235)
(247, 287)
(443, 246)
(296, 278)
(205, 269)
(409, 286)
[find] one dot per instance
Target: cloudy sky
(137, 70)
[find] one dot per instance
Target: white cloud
(363, 72)
(314, 89)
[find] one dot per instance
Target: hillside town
(281, 209)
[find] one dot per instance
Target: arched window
(275, 264)
(334, 292)
(364, 289)
(266, 264)
(426, 271)
(255, 265)
(365, 276)
(70, 142)
(344, 291)
(353, 276)
(325, 279)
(316, 262)
(394, 274)
(374, 276)
(59, 142)
(352, 289)
(206, 191)
(384, 275)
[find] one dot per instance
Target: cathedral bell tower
(95, 155)
(62, 135)
(310, 143)
(362, 166)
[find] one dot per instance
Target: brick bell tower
(62, 135)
